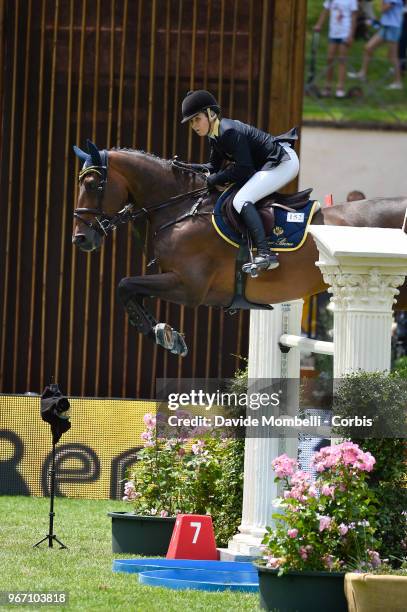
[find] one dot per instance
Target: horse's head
(99, 198)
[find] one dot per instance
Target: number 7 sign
(197, 530)
(193, 538)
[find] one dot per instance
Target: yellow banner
(91, 458)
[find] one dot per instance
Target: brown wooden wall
(116, 71)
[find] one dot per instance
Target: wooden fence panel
(116, 71)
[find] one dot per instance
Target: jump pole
(364, 268)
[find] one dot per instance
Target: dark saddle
(290, 202)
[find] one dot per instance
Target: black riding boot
(265, 259)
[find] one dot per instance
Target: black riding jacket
(248, 147)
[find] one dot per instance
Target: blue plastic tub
(202, 579)
(147, 564)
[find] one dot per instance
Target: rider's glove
(211, 181)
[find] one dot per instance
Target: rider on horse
(261, 163)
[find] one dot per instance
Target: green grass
(376, 105)
(84, 570)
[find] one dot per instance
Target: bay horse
(197, 265)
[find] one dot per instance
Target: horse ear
(79, 153)
(94, 153)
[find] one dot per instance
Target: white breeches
(265, 182)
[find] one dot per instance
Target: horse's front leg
(132, 291)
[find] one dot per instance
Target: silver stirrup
(259, 265)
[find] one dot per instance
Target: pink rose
(163, 513)
(197, 448)
(303, 553)
(292, 533)
(328, 561)
(149, 419)
(324, 522)
(374, 558)
(300, 478)
(343, 529)
(327, 490)
(273, 562)
(284, 466)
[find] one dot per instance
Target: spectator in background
(355, 196)
(342, 25)
(389, 32)
(403, 42)
(365, 18)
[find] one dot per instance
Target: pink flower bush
(346, 454)
(175, 475)
(328, 524)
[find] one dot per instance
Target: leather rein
(105, 223)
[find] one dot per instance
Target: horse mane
(140, 152)
(165, 163)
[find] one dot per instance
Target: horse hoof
(170, 339)
(164, 335)
(180, 348)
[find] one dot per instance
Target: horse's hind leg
(133, 290)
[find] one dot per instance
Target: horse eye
(91, 185)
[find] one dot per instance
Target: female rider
(261, 164)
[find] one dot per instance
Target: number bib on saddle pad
(289, 231)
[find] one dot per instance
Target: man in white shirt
(342, 25)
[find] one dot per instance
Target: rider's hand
(211, 182)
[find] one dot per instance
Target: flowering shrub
(172, 476)
(328, 524)
(383, 396)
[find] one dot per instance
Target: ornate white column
(364, 268)
(362, 305)
(265, 362)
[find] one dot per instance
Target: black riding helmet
(196, 102)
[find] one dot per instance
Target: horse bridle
(105, 223)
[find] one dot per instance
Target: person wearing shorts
(342, 25)
(389, 33)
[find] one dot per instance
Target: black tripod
(51, 536)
